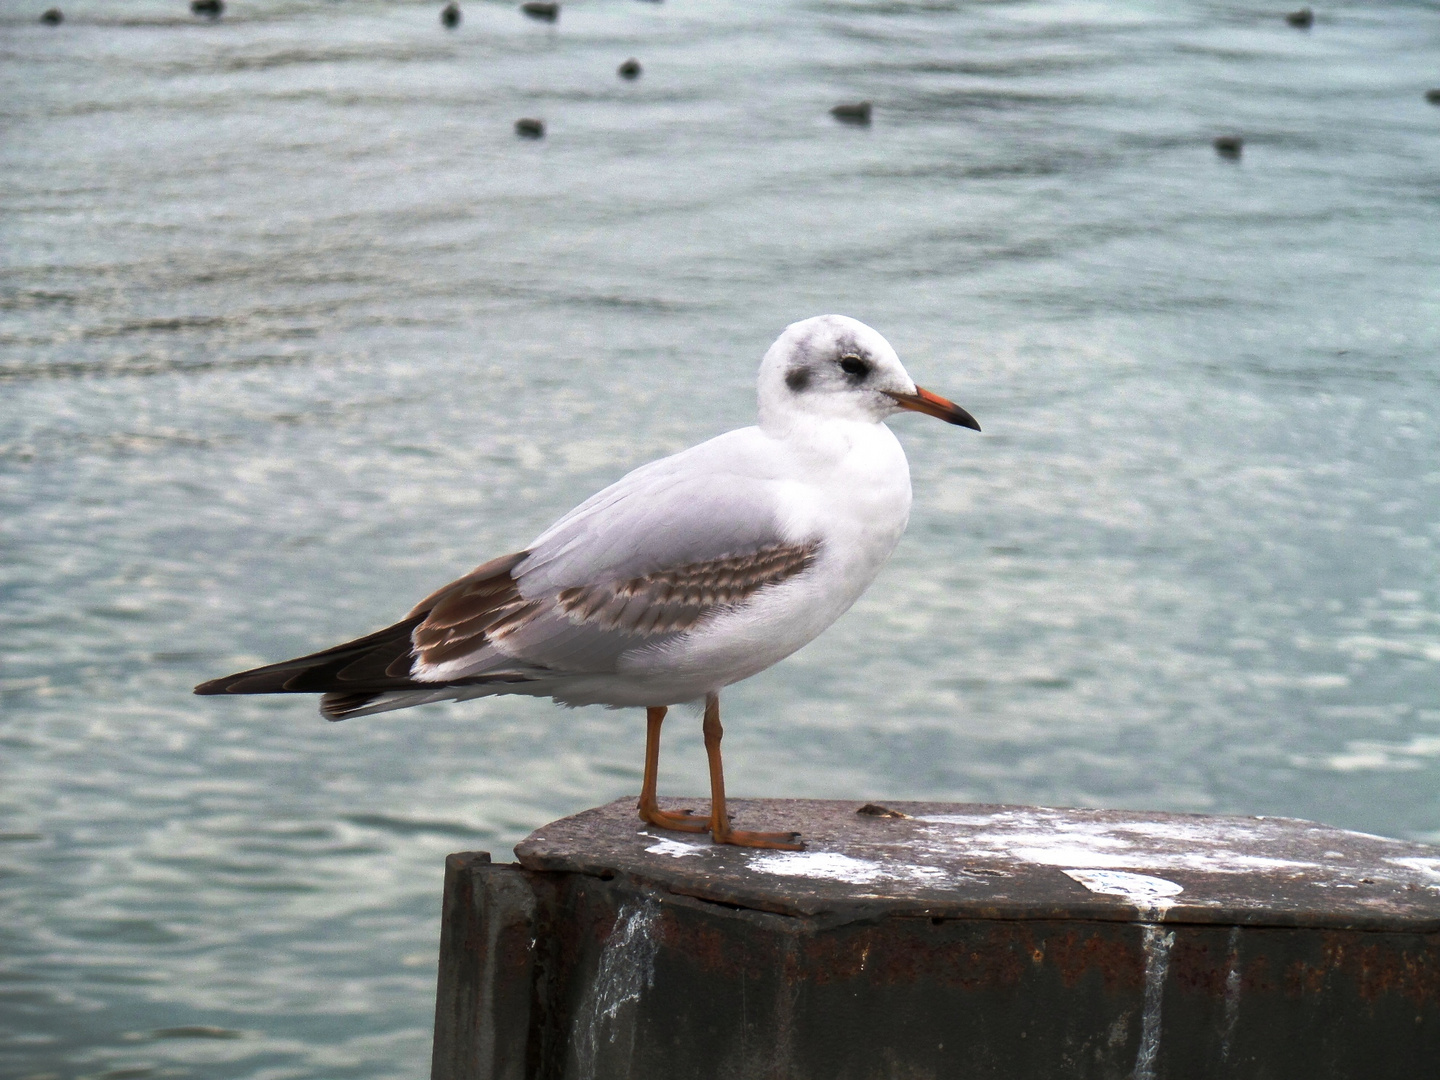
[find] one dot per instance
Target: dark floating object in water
(857, 113)
(450, 16)
(1229, 146)
(53, 17)
(212, 8)
(630, 69)
(1302, 18)
(195, 1031)
(529, 128)
(1433, 96)
(541, 9)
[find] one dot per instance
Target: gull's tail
(355, 676)
(372, 674)
(361, 677)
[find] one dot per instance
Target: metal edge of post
(484, 986)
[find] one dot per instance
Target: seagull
(685, 576)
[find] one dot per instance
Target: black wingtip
(338, 706)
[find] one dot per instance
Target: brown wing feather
(481, 606)
(672, 600)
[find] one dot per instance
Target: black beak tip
(964, 419)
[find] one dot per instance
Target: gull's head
(837, 368)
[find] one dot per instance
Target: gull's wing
(646, 559)
(718, 498)
(642, 562)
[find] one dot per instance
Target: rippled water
(293, 329)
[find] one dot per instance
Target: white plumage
(689, 574)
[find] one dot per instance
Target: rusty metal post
(483, 997)
(929, 940)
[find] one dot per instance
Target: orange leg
(720, 830)
(650, 811)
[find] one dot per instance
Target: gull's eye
(853, 366)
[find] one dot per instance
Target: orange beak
(922, 401)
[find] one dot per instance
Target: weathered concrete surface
(953, 941)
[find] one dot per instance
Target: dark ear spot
(797, 379)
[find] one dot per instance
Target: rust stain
(723, 947)
(1200, 962)
(958, 953)
(1115, 954)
